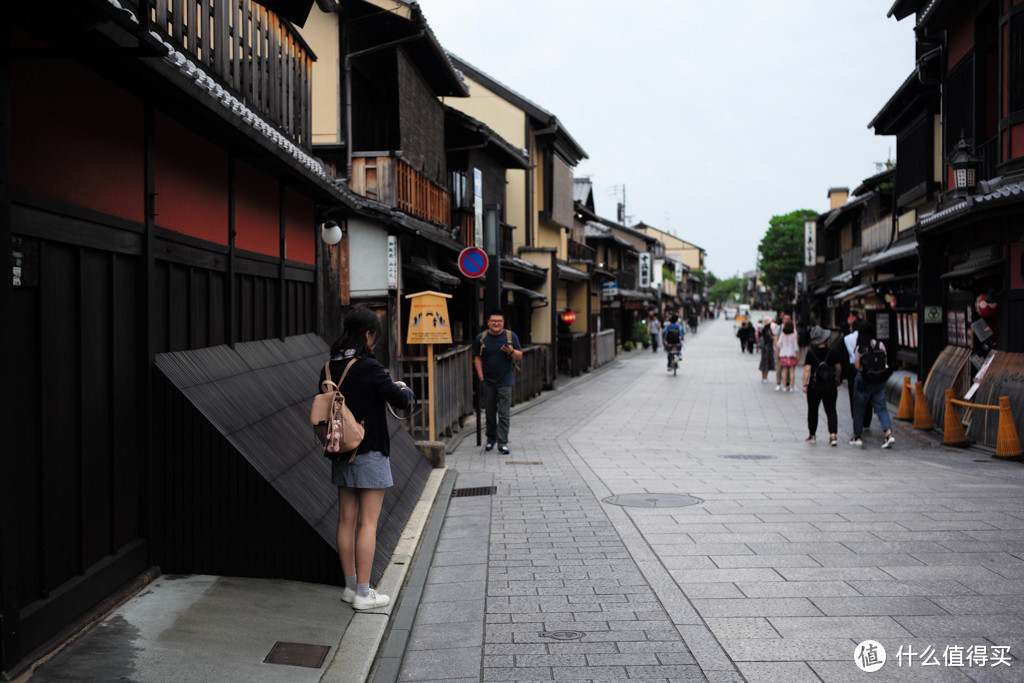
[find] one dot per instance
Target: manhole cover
(749, 457)
(562, 635)
(297, 654)
(653, 500)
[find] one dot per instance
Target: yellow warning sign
(428, 319)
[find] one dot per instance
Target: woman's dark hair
(788, 328)
(358, 321)
(865, 335)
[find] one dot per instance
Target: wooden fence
(604, 347)
(454, 386)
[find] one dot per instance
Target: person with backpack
(822, 372)
(849, 341)
(872, 371)
(673, 335)
(362, 480)
(496, 354)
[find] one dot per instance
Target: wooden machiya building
(959, 188)
(166, 314)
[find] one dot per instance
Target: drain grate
(749, 457)
(562, 635)
(524, 462)
(652, 500)
(297, 654)
(474, 491)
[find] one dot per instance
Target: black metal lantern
(965, 166)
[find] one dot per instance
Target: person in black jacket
(361, 482)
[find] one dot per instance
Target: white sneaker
(856, 442)
(371, 601)
(889, 441)
(778, 387)
(347, 595)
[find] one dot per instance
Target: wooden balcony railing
(392, 182)
(247, 49)
(581, 252)
(988, 152)
(465, 220)
(507, 246)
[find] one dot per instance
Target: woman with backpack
(822, 372)
(869, 358)
(362, 480)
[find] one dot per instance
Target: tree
(723, 290)
(782, 254)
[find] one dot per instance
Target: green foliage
(723, 290)
(782, 253)
(628, 346)
(668, 274)
(639, 333)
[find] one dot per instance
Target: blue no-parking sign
(473, 262)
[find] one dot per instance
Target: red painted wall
(257, 217)
(191, 183)
(76, 137)
(960, 36)
(300, 228)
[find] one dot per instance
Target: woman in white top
(789, 349)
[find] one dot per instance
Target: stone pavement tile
(752, 537)
(686, 561)
(888, 606)
(451, 592)
(441, 636)
(858, 628)
(583, 647)
(925, 587)
(670, 672)
(778, 672)
(833, 574)
(517, 649)
(831, 537)
(1015, 547)
(711, 590)
(957, 573)
(457, 573)
(758, 607)
(603, 673)
(982, 604)
(894, 547)
(724, 575)
(988, 626)
(549, 660)
(707, 549)
(797, 589)
(447, 612)
(865, 559)
(993, 561)
(787, 548)
(983, 585)
(847, 672)
(740, 561)
(741, 627)
(788, 649)
(442, 665)
(516, 674)
(460, 558)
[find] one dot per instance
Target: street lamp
(331, 233)
(965, 166)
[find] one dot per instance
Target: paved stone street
(794, 555)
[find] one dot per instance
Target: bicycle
(675, 352)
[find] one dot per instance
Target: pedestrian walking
(746, 335)
(788, 347)
(822, 375)
(767, 343)
(849, 371)
(654, 328)
(776, 331)
(872, 372)
(495, 355)
(361, 483)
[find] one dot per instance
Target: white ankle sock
(350, 582)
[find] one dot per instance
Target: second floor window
(1015, 63)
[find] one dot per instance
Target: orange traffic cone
(906, 409)
(1007, 442)
(953, 434)
(922, 416)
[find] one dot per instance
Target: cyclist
(673, 335)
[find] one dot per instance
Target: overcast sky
(714, 115)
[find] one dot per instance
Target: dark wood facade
(135, 230)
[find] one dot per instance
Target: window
(1015, 63)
